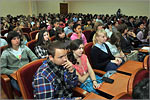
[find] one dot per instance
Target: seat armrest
(79, 92)
(5, 77)
(99, 72)
(6, 86)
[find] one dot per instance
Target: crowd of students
(66, 65)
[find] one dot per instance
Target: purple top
(140, 36)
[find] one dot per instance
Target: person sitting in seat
(41, 45)
(15, 56)
(83, 68)
(56, 77)
(101, 55)
(78, 33)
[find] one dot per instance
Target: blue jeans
(111, 66)
(15, 85)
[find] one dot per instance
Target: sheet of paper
(146, 48)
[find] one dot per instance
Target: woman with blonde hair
(101, 55)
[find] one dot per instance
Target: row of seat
(26, 86)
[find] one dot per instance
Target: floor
(3, 96)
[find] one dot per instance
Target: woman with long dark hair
(41, 45)
(83, 68)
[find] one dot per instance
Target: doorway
(64, 8)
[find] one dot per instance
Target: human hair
(141, 90)
(74, 45)
(60, 30)
(20, 30)
(107, 25)
(70, 21)
(96, 25)
(40, 40)
(51, 48)
(96, 34)
(130, 29)
(10, 36)
(55, 21)
(115, 39)
(138, 25)
(75, 26)
(122, 28)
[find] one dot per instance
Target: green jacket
(10, 63)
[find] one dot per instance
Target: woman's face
(15, 41)
(78, 29)
(46, 36)
(142, 26)
(101, 38)
(79, 51)
(61, 35)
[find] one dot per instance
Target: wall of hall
(128, 7)
(15, 7)
(29, 7)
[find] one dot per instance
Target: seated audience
(83, 68)
(23, 38)
(41, 44)
(142, 35)
(69, 29)
(124, 40)
(115, 26)
(78, 33)
(141, 90)
(3, 42)
(61, 36)
(135, 42)
(15, 56)
(101, 55)
(53, 30)
(36, 26)
(114, 46)
(108, 29)
(56, 77)
(88, 25)
(97, 26)
(49, 26)
(62, 24)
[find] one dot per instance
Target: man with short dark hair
(56, 77)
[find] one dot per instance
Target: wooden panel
(130, 66)
(93, 96)
(119, 85)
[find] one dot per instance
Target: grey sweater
(10, 63)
